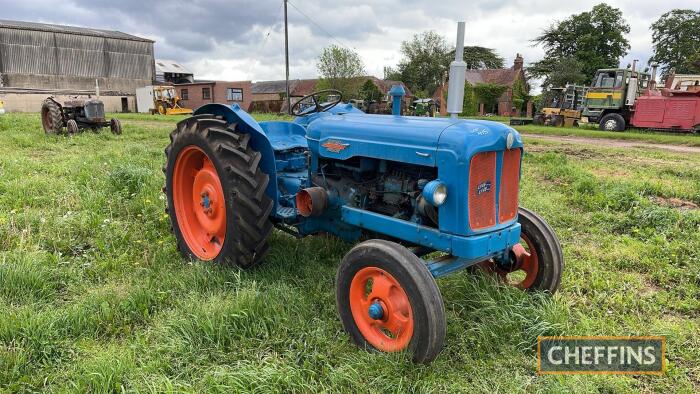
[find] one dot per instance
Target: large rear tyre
(388, 301)
(543, 262)
(216, 193)
(51, 117)
(612, 122)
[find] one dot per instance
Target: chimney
(518, 63)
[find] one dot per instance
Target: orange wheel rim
(529, 267)
(372, 290)
(530, 263)
(199, 202)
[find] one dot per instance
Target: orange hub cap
(199, 202)
(381, 309)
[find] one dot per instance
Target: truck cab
(612, 95)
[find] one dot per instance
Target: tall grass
(95, 298)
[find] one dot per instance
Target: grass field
(94, 296)
(590, 131)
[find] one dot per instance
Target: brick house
(505, 77)
(198, 93)
(268, 96)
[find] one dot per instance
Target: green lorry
(612, 96)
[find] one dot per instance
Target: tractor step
(286, 213)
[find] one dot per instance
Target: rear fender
(258, 139)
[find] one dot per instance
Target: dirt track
(615, 143)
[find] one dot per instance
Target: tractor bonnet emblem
(483, 187)
(334, 146)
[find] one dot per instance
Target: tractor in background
(562, 108)
(423, 107)
(75, 115)
(429, 197)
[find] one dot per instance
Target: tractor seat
(285, 135)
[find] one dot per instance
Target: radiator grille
(510, 177)
(482, 191)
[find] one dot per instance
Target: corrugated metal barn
(44, 56)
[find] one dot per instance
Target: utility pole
(286, 56)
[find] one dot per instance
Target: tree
(340, 69)
(470, 106)
(557, 72)
(595, 39)
(521, 94)
(488, 94)
(426, 59)
(369, 91)
(676, 39)
(479, 58)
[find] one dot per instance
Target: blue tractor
(429, 197)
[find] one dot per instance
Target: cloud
(243, 39)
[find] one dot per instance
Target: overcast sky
(244, 39)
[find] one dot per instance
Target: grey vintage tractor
(76, 115)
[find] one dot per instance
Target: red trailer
(668, 109)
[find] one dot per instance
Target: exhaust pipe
(652, 81)
(458, 69)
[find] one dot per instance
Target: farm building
(169, 71)
(198, 93)
(38, 59)
(268, 96)
(507, 77)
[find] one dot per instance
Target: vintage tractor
(432, 195)
(76, 115)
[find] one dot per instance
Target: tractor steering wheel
(316, 107)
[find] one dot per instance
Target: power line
(319, 26)
(265, 40)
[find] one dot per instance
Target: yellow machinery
(562, 108)
(557, 117)
(166, 102)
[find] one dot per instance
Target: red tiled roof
(504, 76)
(303, 87)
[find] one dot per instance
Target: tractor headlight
(435, 192)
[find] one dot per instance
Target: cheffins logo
(601, 355)
(483, 187)
(334, 146)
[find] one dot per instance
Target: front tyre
(115, 126)
(612, 122)
(72, 126)
(543, 262)
(388, 301)
(216, 193)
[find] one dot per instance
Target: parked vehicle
(620, 98)
(162, 100)
(423, 107)
(76, 115)
(562, 108)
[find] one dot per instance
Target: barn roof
(171, 66)
(297, 87)
(84, 31)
